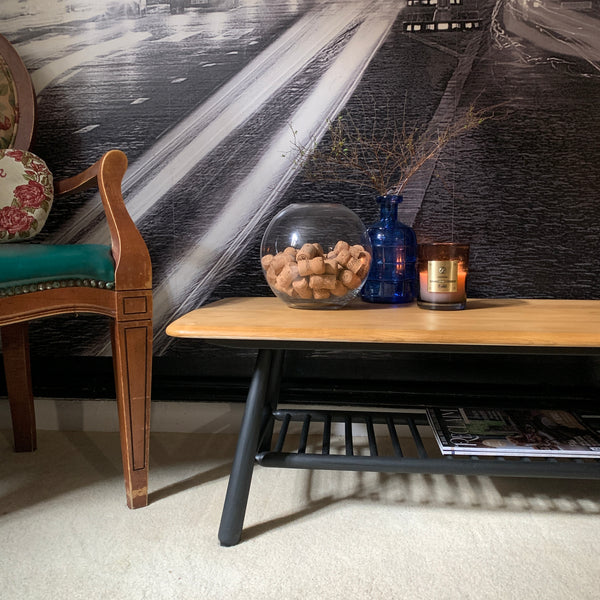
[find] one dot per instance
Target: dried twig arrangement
(381, 160)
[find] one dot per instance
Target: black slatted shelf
(407, 455)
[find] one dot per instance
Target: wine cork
(317, 265)
(322, 282)
(360, 263)
(340, 289)
(356, 250)
(266, 261)
(279, 261)
(331, 266)
(304, 268)
(341, 245)
(366, 265)
(354, 265)
(271, 277)
(302, 288)
(287, 275)
(321, 294)
(350, 280)
(343, 257)
(301, 283)
(307, 252)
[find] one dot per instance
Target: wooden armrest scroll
(133, 269)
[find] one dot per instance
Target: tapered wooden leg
(17, 368)
(132, 358)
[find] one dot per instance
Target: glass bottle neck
(388, 207)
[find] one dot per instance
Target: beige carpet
(65, 531)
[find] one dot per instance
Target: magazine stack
(516, 432)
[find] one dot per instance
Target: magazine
(516, 432)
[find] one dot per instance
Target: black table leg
(271, 401)
(236, 499)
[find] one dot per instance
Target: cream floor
(66, 533)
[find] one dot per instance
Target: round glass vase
(316, 255)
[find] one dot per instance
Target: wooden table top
(489, 322)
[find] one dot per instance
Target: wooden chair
(44, 284)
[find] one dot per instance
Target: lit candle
(443, 271)
(443, 296)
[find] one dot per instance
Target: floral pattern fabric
(8, 107)
(26, 195)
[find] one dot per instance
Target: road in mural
(204, 102)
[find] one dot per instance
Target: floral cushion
(8, 107)
(26, 195)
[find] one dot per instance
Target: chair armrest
(78, 183)
(133, 269)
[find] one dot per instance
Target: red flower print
(16, 154)
(14, 220)
(5, 125)
(37, 166)
(31, 195)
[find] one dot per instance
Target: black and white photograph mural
(206, 98)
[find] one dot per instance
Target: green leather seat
(26, 267)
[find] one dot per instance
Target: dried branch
(384, 162)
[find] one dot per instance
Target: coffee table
(510, 326)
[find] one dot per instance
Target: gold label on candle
(442, 276)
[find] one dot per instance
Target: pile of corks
(309, 273)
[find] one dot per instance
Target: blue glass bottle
(392, 277)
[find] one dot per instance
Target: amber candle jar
(443, 269)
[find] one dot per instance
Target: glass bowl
(316, 255)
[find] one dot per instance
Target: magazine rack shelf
(510, 326)
(402, 458)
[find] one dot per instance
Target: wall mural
(202, 95)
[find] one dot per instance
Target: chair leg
(132, 359)
(17, 368)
